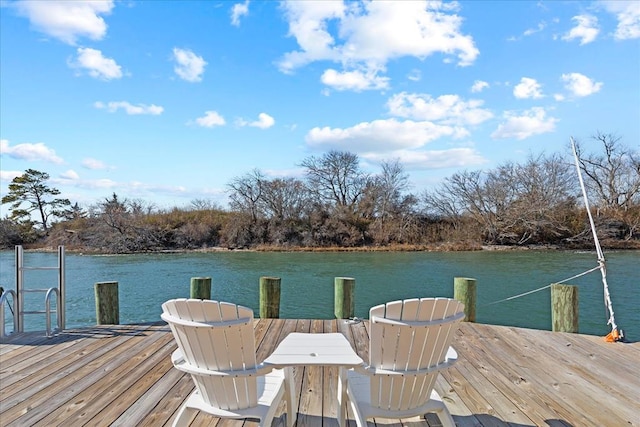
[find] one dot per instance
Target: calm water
(146, 281)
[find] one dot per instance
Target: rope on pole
(615, 335)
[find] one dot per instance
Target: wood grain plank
(72, 350)
(461, 413)
(481, 396)
(486, 352)
(67, 384)
(607, 364)
(566, 377)
(162, 393)
(29, 370)
(150, 365)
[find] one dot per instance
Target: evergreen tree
(29, 193)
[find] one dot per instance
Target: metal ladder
(18, 296)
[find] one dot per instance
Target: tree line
(338, 204)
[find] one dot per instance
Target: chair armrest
(221, 324)
(450, 358)
(454, 318)
(181, 364)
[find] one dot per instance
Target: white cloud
(70, 175)
(541, 26)
(238, 10)
(415, 75)
(96, 64)
(264, 121)
(189, 66)
(529, 123)
(8, 176)
(210, 119)
(527, 88)
(586, 29)
(369, 34)
(99, 183)
(379, 135)
(431, 159)
(428, 119)
(308, 24)
(285, 173)
(129, 108)
(628, 15)
(354, 80)
(93, 164)
(29, 152)
(479, 86)
(447, 109)
(67, 20)
(142, 188)
(580, 85)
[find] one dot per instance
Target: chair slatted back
(221, 340)
(409, 335)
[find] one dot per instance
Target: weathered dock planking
(506, 376)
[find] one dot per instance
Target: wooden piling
(464, 290)
(107, 303)
(200, 288)
(269, 297)
(564, 308)
(344, 301)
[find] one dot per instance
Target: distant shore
(439, 247)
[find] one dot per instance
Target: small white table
(302, 349)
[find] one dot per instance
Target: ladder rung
(39, 268)
(38, 312)
(37, 290)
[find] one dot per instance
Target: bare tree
(613, 178)
(116, 214)
(283, 199)
(544, 199)
(204, 205)
(245, 193)
(390, 204)
(512, 204)
(338, 183)
(394, 182)
(470, 194)
(336, 177)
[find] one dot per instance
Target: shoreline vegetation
(436, 247)
(338, 207)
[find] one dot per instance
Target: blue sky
(166, 102)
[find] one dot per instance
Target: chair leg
(361, 420)
(289, 391)
(268, 417)
(342, 397)
(184, 416)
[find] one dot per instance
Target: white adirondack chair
(216, 345)
(408, 346)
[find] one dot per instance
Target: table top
(308, 349)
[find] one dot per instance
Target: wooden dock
(506, 376)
